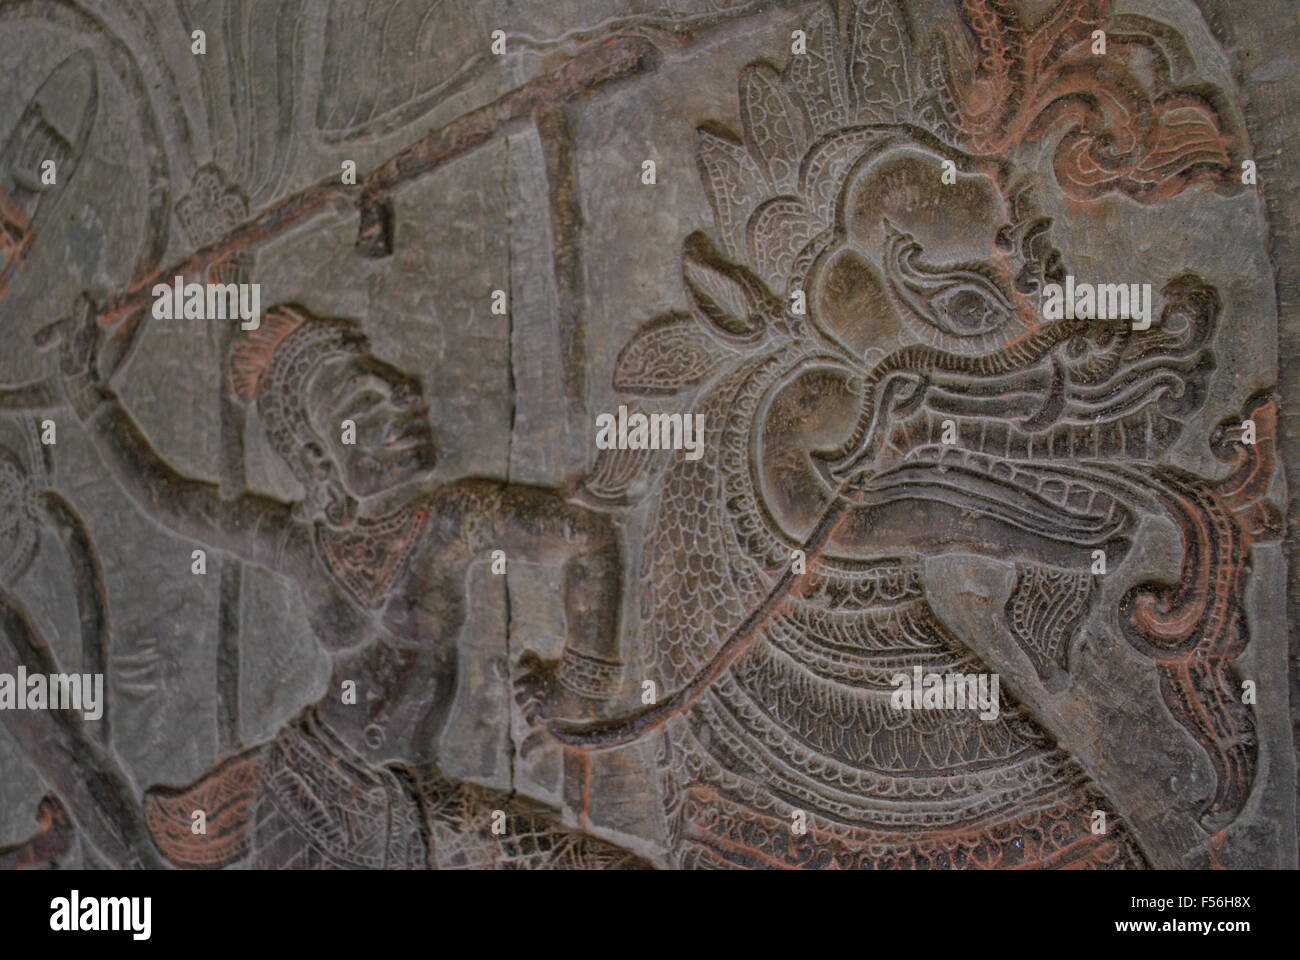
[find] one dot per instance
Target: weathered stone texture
(844, 262)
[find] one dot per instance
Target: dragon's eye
(958, 308)
(966, 312)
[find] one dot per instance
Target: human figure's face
(393, 442)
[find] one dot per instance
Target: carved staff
(236, 269)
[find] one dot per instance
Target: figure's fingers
(120, 341)
(80, 338)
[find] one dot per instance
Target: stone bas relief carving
(906, 469)
(923, 307)
(383, 590)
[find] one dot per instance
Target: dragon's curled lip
(1038, 499)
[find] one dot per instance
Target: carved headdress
(273, 365)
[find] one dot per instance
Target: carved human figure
(379, 551)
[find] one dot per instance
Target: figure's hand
(81, 341)
(79, 338)
(536, 687)
(545, 699)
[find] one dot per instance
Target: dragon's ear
(731, 303)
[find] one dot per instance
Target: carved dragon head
(858, 230)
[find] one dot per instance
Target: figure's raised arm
(253, 527)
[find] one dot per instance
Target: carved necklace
(368, 558)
